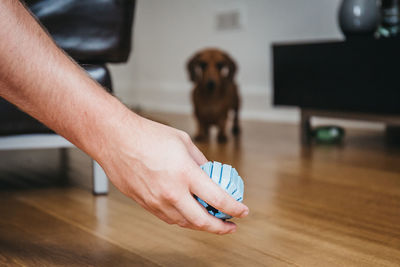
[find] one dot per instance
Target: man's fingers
(200, 219)
(170, 215)
(203, 187)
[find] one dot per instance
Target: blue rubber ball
(228, 179)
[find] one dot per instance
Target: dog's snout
(211, 85)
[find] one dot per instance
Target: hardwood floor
(315, 206)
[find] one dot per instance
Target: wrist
(114, 125)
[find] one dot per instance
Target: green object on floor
(328, 134)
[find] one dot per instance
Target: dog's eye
(220, 65)
(203, 65)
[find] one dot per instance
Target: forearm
(40, 79)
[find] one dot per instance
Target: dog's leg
(221, 130)
(202, 132)
(236, 127)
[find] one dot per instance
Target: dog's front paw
(236, 130)
(222, 138)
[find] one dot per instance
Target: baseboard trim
(256, 105)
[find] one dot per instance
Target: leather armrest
(14, 121)
(90, 31)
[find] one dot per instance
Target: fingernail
(244, 213)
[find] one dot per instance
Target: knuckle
(152, 202)
(219, 201)
(183, 224)
(185, 137)
(220, 232)
(170, 197)
(183, 175)
(169, 221)
(202, 224)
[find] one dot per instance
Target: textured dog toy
(228, 179)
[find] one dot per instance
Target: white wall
(168, 32)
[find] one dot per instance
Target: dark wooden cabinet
(361, 76)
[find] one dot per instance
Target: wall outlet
(232, 19)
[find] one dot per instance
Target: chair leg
(305, 127)
(100, 180)
(64, 163)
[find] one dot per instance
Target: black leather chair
(92, 32)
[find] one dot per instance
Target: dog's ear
(192, 65)
(232, 67)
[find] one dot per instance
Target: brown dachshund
(215, 92)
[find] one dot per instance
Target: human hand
(158, 167)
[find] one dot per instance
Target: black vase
(359, 18)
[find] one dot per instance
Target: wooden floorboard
(309, 206)
(31, 237)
